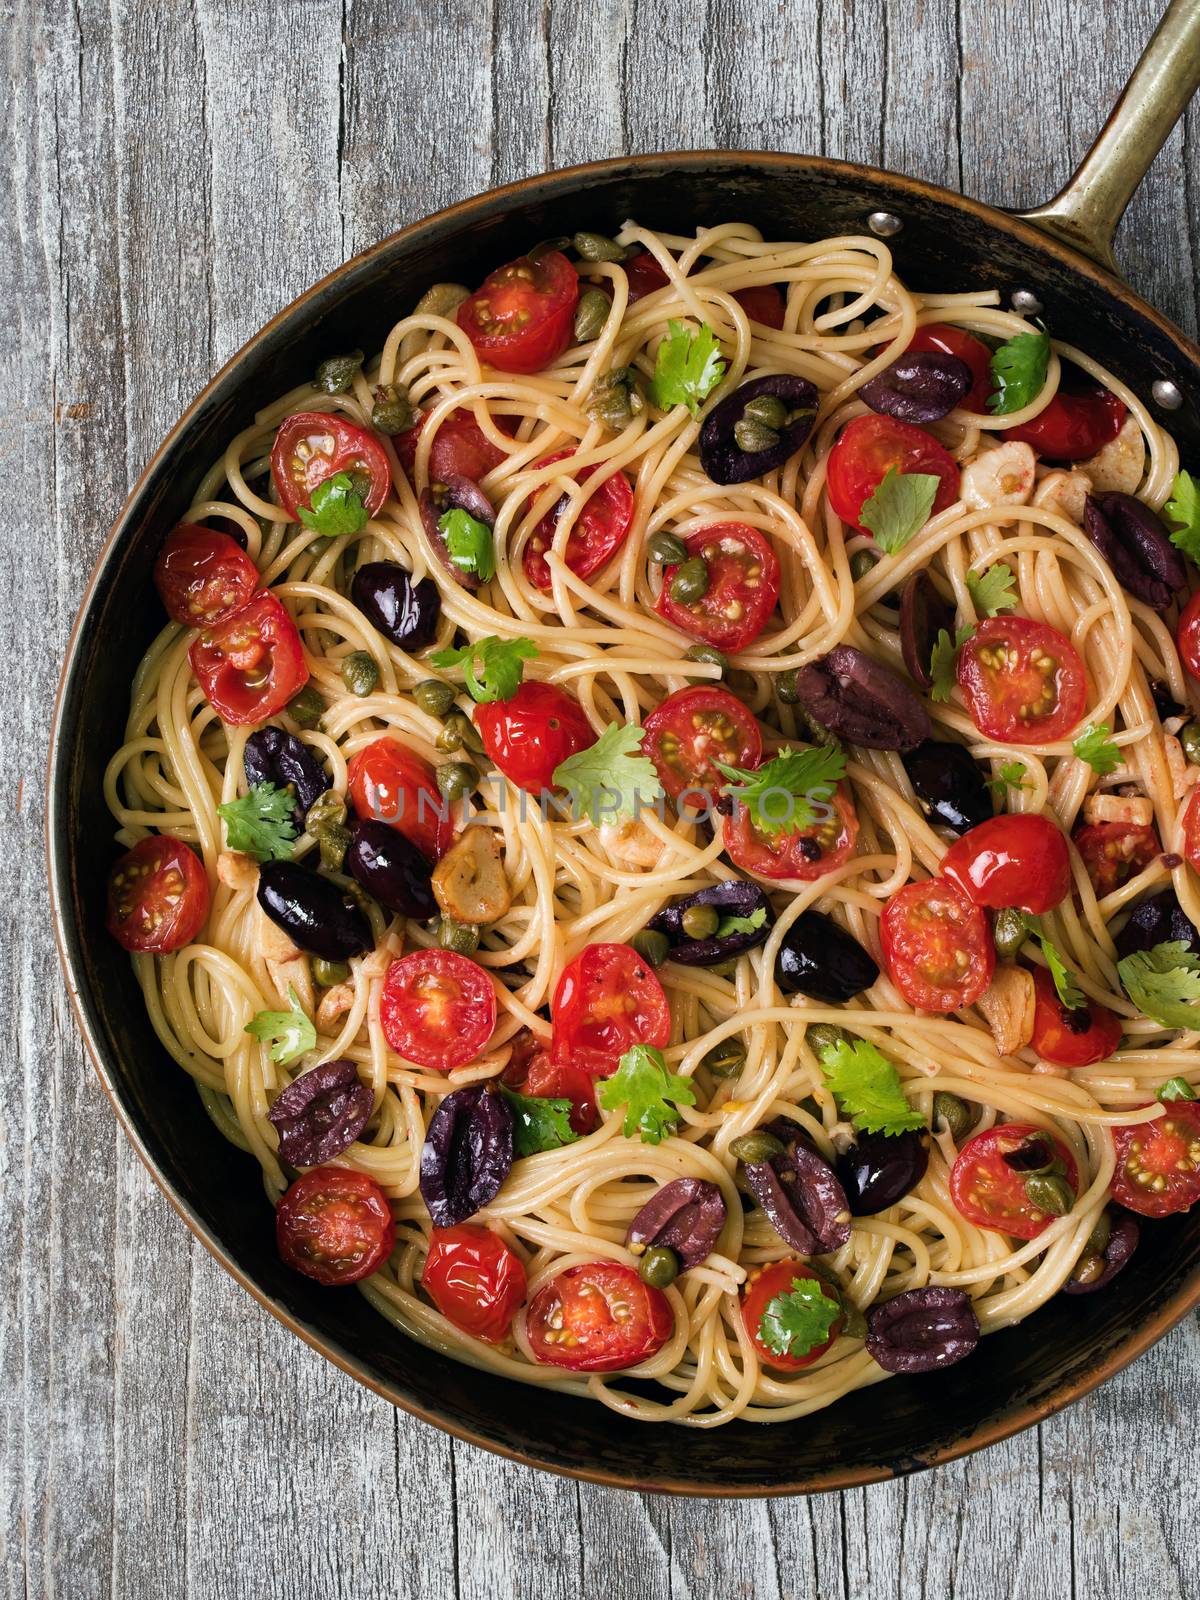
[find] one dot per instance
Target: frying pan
(1061, 255)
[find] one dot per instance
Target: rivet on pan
(884, 223)
(1166, 394)
(1026, 302)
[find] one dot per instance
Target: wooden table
(181, 170)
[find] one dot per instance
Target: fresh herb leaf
(731, 925)
(687, 367)
(1067, 989)
(336, 508)
(1019, 368)
(1183, 508)
(649, 1093)
(611, 778)
(943, 661)
(500, 665)
(1011, 776)
(290, 1033)
(1176, 1089)
(261, 823)
(868, 1087)
(1097, 749)
(899, 508)
(781, 793)
(539, 1123)
(1164, 983)
(993, 591)
(468, 543)
(798, 1321)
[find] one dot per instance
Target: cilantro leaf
(1097, 749)
(1011, 776)
(468, 543)
(335, 509)
(993, 591)
(899, 508)
(1067, 989)
(1183, 508)
(261, 823)
(539, 1123)
(943, 661)
(868, 1087)
(1176, 1089)
(500, 668)
(687, 368)
(798, 1321)
(781, 793)
(1164, 983)
(291, 1031)
(1019, 368)
(649, 1093)
(611, 778)
(732, 925)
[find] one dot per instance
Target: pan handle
(1085, 213)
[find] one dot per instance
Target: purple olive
(818, 958)
(921, 386)
(1165, 702)
(881, 1168)
(735, 898)
(454, 493)
(724, 458)
(321, 1113)
(861, 700)
(1136, 546)
(467, 1154)
(948, 783)
(1122, 1242)
(391, 868)
(314, 913)
(923, 614)
(405, 612)
(801, 1195)
(685, 1216)
(922, 1330)
(273, 756)
(1158, 920)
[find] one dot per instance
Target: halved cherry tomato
(203, 576)
(804, 853)
(312, 446)
(1114, 852)
(520, 318)
(948, 340)
(867, 447)
(157, 896)
(1158, 1163)
(599, 530)
(474, 1280)
(937, 946)
(390, 783)
(597, 1317)
(743, 586)
(1191, 830)
(991, 1193)
(528, 735)
(531, 1070)
(1074, 426)
(1019, 860)
(763, 304)
(607, 1000)
(691, 730)
(644, 274)
(1187, 635)
(1023, 682)
(250, 665)
(766, 1284)
(437, 1008)
(460, 448)
(335, 1225)
(1070, 1038)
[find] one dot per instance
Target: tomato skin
(692, 728)
(1191, 831)
(1169, 1150)
(600, 528)
(1017, 704)
(335, 445)
(645, 275)
(1114, 852)
(743, 579)
(1055, 1038)
(788, 853)
(607, 1000)
(531, 1070)
(598, 1317)
(763, 304)
(460, 448)
(158, 897)
(530, 734)
(335, 1225)
(437, 1008)
(1074, 426)
(762, 1286)
(924, 929)
(474, 1280)
(251, 664)
(203, 576)
(1017, 860)
(1187, 635)
(867, 447)
(521, 317)
(990, 1193)
(388, 781)
(946, 339)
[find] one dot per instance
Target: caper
(327, 973)
(752, 437)
(659, 1267)
(1010, 930)
(758, 1146)
(1050, 1193)
(556, 241)
(591, 314)
(616, 399)
(462, 937)
(597, 247)
(1089, 1267)
(707, 653)
(327, 807)
(854, 1324)
(725, 1060)
(434, 697)
(1098, 1239)
(360, 672)
(690, 582)
(955, 1113)
(785, 687)
(360, 484)
(651, 945)
(458, 730)
(336, 374)
(861, 563)
(440, 299)
(392, 411)
(1189, 738)
(333, 840)
(700, 922)
(666, 549)
(767, 409)
(306, 708)
(822, 1036)
(456, 779)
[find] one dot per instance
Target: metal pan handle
(1085, 213)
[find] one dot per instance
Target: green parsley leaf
(1067, 989)
(1011, 776)
(291, 1031)
(611, 778)
(336, 508)
(1183, 508)
(1164, 983)
(649, 1093)
(943, 661)
(1097, 749)
(786, 791)
(261, 823)
(797, 1322)
(868, 1087)
(899, 508)
(1176, 1089)
(993, 591)
(539, 1123)
(468, 543)
(687, 368)
(500, 669)
(1019, 368)
(750, 924)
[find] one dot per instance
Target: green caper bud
(1010, 930)
(955, 1113)
(327, 973)
(651, 945)
(700, 922)
(462, 937)
(666, 549)
(1049, 1193)
(591, 314)
(707, 653)
(822, 1036)
(1098, 1239)
(759, 1146)
(392, 411)
(455, 779)
(556, 241)
(306, 708)
(336, 374)
(861, 563)
(458, 730)
(1189, 738)
(752, 437)
(360, 484)
(767, 409)
(854, 1324)
(360, 672)
(616, 399)
(659, 1267)
(326, 808)
(785, 687)
(690, 582)
(1089, 1267)
(434, 697)
(441, 300)
(597, 247)
(333, 841)
(725, 1060)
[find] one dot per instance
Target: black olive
(858, 698)
(734, 898)
(1136, 546)
(881, 1168)
(923, 613)
(454, 494)
(273, 756)
(921, 386)
(405, 612)
(391, 868)
(1158, 920)
(721, 455)
(312, 911)
(949, 784)
(818, 958)
(922, 1330)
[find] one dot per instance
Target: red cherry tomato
(531, 1070)
(946, 339)
(937, 946)
(1074, 426)
(607, 1000)
(691, 730)
(1070, 1038)
(1114, 852)
(867, 447)
(743, 586)
(600, 528)
(335, 1225)
(991, 1193)
(389, 782)
(1191, 830)
(804, 853)
(763, 304)
(644, 274)
(474, 1280)
(312, 446)
(1019, 860)
(437, 1008)
(157, 896)
(460, 448)
(766, 1284)
(521, 318)
(530, 734)
(1158, 1163)
(1023, 682)
(250, 665)
(597, 1317)
(1187, 635)
(203, 576)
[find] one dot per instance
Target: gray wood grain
(178, 172)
